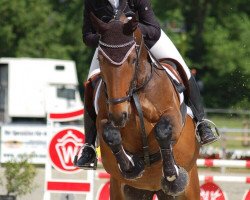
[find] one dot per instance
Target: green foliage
(227, 60)
(32, 30)
(230, 86)
(212, 36)
(217, 43)
(19, 175)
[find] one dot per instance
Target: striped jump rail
(230, 179)
(211, 163)
(234, 179)
(223, 163)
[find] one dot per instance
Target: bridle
(132, 94)
(133, 86)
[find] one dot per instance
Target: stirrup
(88, 166)
(212, 124)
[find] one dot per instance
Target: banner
(23, 139)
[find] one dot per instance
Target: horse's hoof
(176, 187)
(136, 171)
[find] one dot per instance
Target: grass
(228, 121)
(231, 122)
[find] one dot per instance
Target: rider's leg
(94, 67)
(195, 103)
(88, 156)
(164, 48)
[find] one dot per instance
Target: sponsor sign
(63, 147)
(103, 193)
(247, 195)
(68, 186)
(211, 191)
(23, 139)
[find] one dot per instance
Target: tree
(19, 176)
(215, 37)
(31, 29)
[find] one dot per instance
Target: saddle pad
(173, 71)
(97, 94)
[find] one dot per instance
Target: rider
(158, 44)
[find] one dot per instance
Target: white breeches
(94, 66)
(163, 48)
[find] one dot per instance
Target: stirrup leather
(92, 165)
(212, 124)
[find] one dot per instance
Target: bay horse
(145, 146)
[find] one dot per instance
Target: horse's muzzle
(118, 120)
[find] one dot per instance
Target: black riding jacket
(103, 10)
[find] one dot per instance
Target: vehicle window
(66, 93)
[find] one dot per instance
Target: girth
(153, 158)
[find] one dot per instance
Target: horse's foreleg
(175, 178)
(192, 191)
(131, 167)
(116, 189)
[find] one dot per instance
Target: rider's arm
(89, 35)
(147, 22)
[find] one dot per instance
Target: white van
(32, 87)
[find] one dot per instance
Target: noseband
(133, 87)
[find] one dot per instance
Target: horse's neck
(151, 96)
(144, 70)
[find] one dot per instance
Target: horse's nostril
(110, 116)
(125, 115)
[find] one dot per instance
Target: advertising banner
(22, 139)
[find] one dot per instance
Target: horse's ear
(98, 24)
(130, 26)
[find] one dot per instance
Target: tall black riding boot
(88, 158)
(204, 131)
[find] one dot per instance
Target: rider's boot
(88, 156)
(204, 131)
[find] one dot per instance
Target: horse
(147, 146)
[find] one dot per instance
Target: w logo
(63, 147)
(211, 191)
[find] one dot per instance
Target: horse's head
(118, 59)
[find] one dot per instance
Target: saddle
(181, 84)
(175, 72)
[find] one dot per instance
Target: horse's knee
(130, 167)
(163, 132)
(112, 137)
